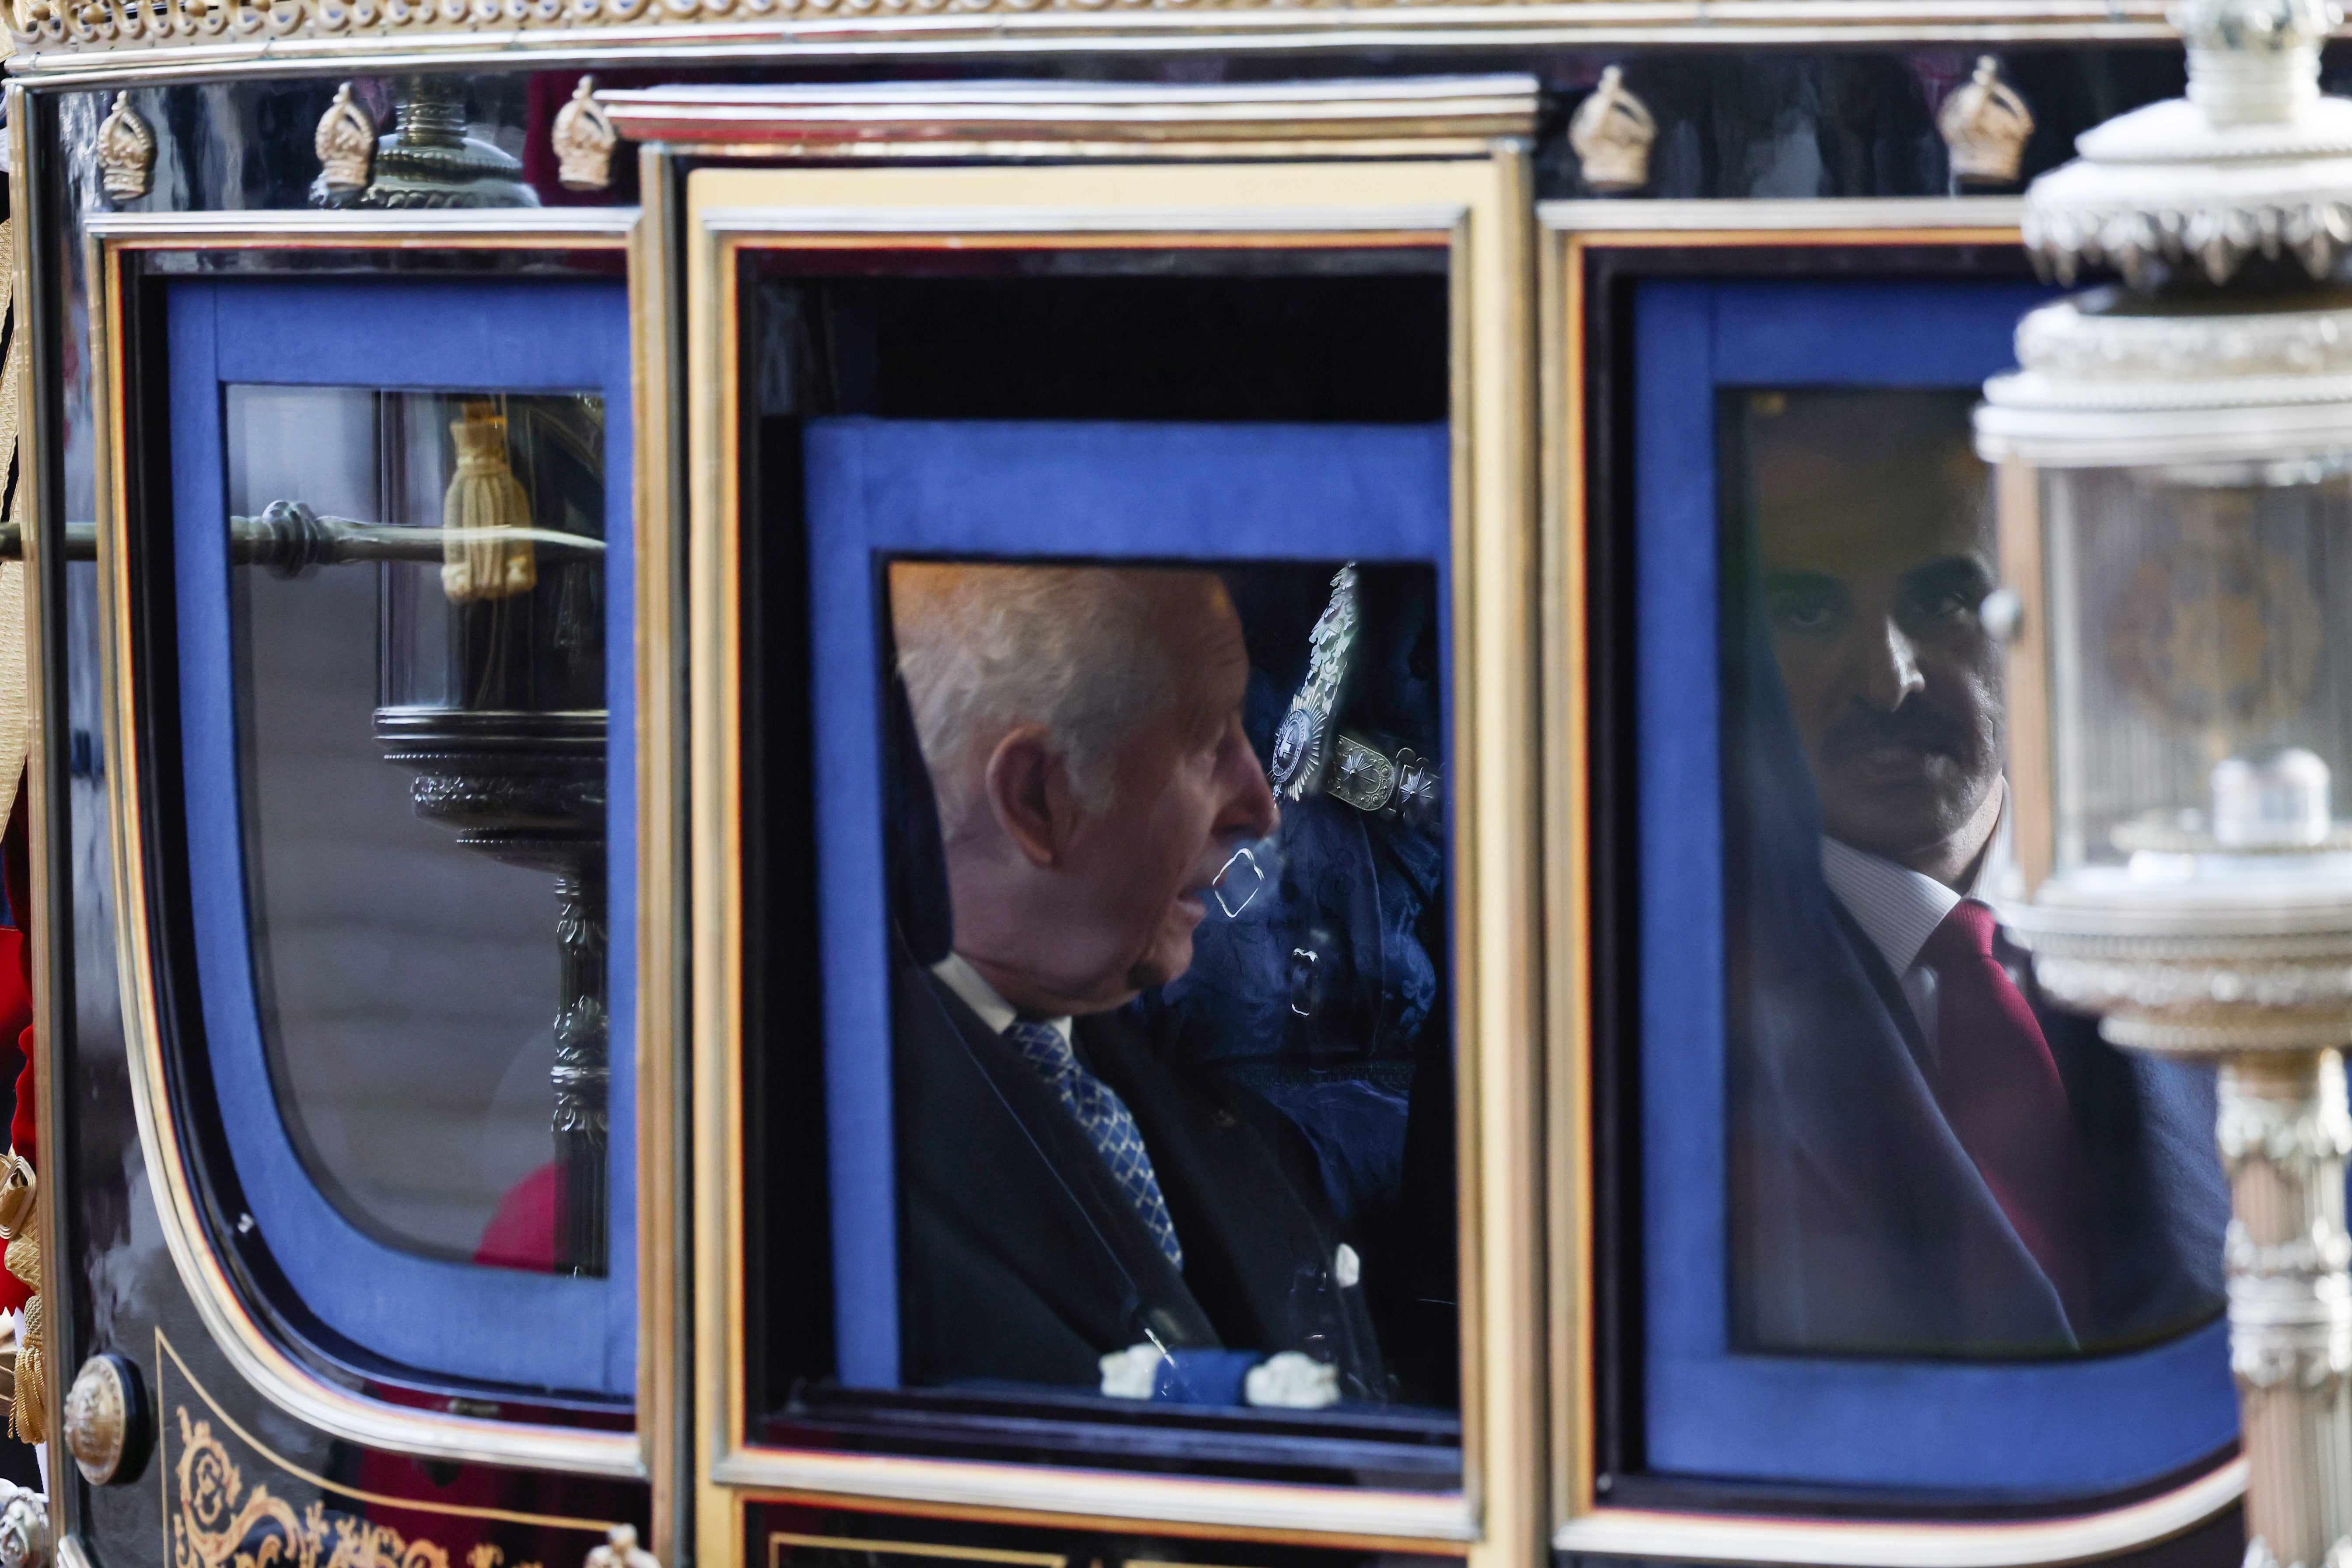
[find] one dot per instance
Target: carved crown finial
(621, 1550)
(1612, 134)
(126, 151)
(346, 143)
(584, 139)
(2254, 62)
(1986, 125)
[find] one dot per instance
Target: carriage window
(1160, 1016)
(1878, 1162)
(418, 603)
(2045, 1200)
(1120, 883)
(402, 613)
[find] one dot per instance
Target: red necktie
(2003, 1096)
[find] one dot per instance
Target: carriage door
(365, 571)
(1078, 1181)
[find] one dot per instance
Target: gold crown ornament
(126, 151)
(345, 143)
(1986, 126)
(584, 139)
(1612, 134)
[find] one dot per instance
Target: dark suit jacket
(1860, 1223)
(1020, 1259)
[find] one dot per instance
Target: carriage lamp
(2176, 488)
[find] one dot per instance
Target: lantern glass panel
(2200, 676)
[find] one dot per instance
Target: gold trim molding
(1477, 209)
(107, 40)
(250, 1347)
(1570, 233)
(830, 119)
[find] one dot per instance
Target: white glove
(1129, 1374)
(1287, 1380)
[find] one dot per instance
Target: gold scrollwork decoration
(75, 25)
(218, 1522)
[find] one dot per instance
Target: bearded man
(1926, 1158)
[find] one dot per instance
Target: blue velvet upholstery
(975, 488)
(534, 1331)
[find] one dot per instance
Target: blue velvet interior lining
(534, 1331)
(879, 488)
(2050, 1428)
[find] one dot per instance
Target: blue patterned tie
(1107, 1121)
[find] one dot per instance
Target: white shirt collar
(1899, 908)
(978, 995)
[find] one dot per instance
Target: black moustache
(1913, 726)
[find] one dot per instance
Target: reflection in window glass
(1172, 1041)
(1926, 1157)
(418, 616)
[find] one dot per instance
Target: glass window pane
(418, 622)
(1115, 502)
(1904, 1223)
(1170, 1024)
(1999, 1181)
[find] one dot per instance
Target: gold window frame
(1571, 234)
(115, 243)
(1478, 208)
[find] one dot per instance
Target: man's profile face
(1187, 790)
(1870, 594)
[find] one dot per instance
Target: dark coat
(1020, 1257)
(1859, 1224)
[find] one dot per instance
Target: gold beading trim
(217, 38)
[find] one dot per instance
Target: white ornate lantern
(2178, 536)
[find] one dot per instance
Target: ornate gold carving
(345, 143)
(584, 139)
(217, 1523)
(1986, 126)
(28, 1414)
(18, 1191)
(1612, 132)
(98, 1419)
(24, 1537)
(126, 151)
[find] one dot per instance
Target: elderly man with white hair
(1077, 1208)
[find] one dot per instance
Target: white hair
(1081, 651)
